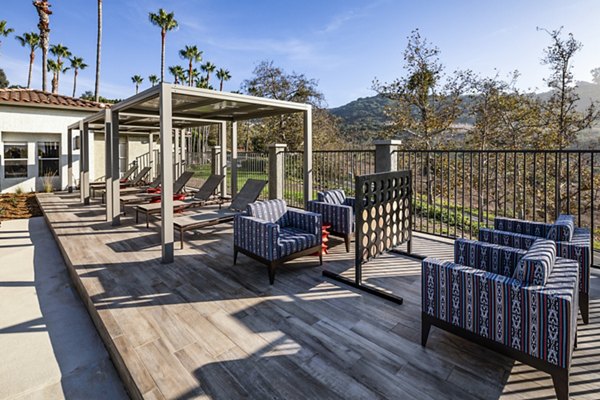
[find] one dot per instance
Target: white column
(177, 154)
(151, 155)
(166, 164)
(70, 160)
(85, 184)
(108, 163)
(234, 157)
(223, 142)
(115, 174)
(81, 161)
(308, 173)
(182, 147)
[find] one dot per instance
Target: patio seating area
(201, 326)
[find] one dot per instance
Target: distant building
(33, 140)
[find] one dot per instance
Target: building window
(15, 160)
(48, 158)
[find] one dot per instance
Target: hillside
(364, 117)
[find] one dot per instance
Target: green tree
(596, 75)
(137, 80)
(562, 119)
(193, 55)
(166, 22)
(76, 64)
(31, 40)
(5, 30)
(223, 75)
(273, 82)
(56, 67)
(209, 68)
(426, 102)
(43, 9)
(178, 73)
(98, 53)
(153, 79)
(3, 81)
(60, 52)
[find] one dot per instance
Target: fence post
(276, 172)
(386, 159)
(215, 162)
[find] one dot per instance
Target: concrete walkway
(49, 348)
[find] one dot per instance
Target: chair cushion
(563, 229)
(293, 240)
(336, 196)
(271, 211)
(536, 265)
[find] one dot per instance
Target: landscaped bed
(16, 206)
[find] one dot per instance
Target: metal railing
(457, 192)
(250, 165)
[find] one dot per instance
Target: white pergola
(162, 110)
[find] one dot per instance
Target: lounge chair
(272, 234)
(135, 189)
(248, 194)
(178, 188)
(202, 196)
(138, 179)
(124, 179)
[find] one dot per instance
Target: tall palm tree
(178, 73)
(31, 40)
(138, 81)
(192, 54)
(98, 52)
(153, 79)
(76, 64)
(4, 30)
(195, 76)
(60, 52)
(56, 67)
(223, 75)
(43, 9)
(209, 68)
(166, 22)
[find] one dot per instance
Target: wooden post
(276, 171)
(166, 165)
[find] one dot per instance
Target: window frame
(7, 161)
(40, 158)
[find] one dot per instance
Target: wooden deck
(202, 328)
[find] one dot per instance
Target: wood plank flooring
(203, 328)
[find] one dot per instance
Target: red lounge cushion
(153, 190)
(156, 199)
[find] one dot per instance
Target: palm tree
(209, 68)
(43, 9)
(203, 83)
(4, 30)
(166, 22)
(98, 52)
(223, 75)
(195, 76)
(178, 73)
(192, 54)
(138, 81)
(153, 79)
(60, 52)
(56, 67)
(77, 64)
(31, 40)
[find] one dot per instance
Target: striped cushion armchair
(480, 297)
(571, 242)
(338, 211)
(273, 234)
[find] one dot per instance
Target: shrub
(48, 181)
(19, 191)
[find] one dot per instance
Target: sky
(343, 44)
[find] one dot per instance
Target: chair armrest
(350, 201)
(487, 256)
(582, 253)
(530, 319)
(532, 228)
(307, 221)
(339, 216)
(504, 238)
(256, 236)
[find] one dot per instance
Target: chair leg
(137, 214)
(147, 219)
(425, 328)
(272, 267)
(584, 306)
(347, 240)
(561, 384)
(235, 254)
(321, 257)
(181, 237)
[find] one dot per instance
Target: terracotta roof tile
(38, 98)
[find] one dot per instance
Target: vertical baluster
(545, 187)
(579, 188)
(568, 171)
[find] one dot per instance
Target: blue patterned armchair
(520, 303)
(338, 211)
(273, 234)
(571, 242)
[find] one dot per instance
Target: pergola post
(166, 165)
(223, 143)
(276, 171)
(108, 163)
(386, 159)
(234, 158)
(151, 155)
(114, 171)
(177, 153)
(182, 146)
(308, 172)
(70, 160)
(81, 160)
(85, 183)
